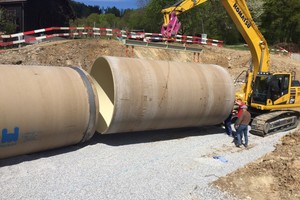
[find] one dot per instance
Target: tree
(153, 18)
(7, 25)
(133, 19)
(102, 20)
(109, 20)
(142, 3)
(281, 21)
(210, 18)
(113, 10)
(82, 10)
(218, 24)
(256, 9)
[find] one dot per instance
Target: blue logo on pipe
(10, 137)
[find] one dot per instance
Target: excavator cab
(268, 89)
(277, 93)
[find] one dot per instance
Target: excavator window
(279, 86)
(286, 83)
(261, 89)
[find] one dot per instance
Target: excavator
(272, 98)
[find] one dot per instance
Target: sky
(120, 4)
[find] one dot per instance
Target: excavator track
(273, 122)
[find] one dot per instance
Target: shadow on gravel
(39, 155)
(119, 139)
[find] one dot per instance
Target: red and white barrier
(59, 28)
(280, 50)
(184, 39)
(31, 36)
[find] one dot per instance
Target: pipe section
(44, 108)
(139, 95)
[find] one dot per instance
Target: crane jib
(239, 11)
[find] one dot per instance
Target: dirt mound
(83, 52)
(275, 176)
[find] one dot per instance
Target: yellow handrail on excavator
(262, 90)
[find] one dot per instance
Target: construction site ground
(276, 175)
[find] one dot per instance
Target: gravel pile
(169, 164)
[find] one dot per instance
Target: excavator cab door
(260, 92)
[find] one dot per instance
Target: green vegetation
(279, 21)
(81, 10)
(7, 25)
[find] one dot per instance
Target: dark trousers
(242, 130)
(227, 124)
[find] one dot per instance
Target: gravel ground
(169, 164)
(295, 56)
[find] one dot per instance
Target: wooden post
(132, 51)
(198, 54)
(126, 51)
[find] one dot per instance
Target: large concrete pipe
(139, 95)
(45, 108)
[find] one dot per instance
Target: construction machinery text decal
(239, 11)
